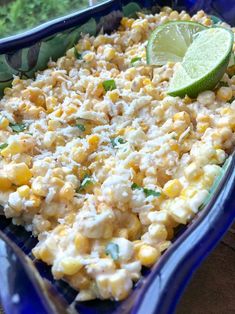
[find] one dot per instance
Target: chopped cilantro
(135, 59)
(85, 182)
(109, 85)
(3, 145)
(112, 249)
(135, 186)
(116, 141)
(17, 127)
(81, 127)
(147, 192)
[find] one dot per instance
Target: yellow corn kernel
(193, 171)
(226, 111)
(58, 173)
(174, 146)
(79, 154)
(4, 123)
(82, 244)
(113, 95)
(24, 191)
(12, 149)
(5, 183)
(70, 265)
(80, 280)
(93, 141)
(35, 95)
(43, 253)
(133, 227)
(157, 231)
(147, 81)
(19, 174)
(109, 53)
(207, 22)
(38, 187)
(172, 188)
(53, 125)
(224, 93)
(126, 22)
(58, 112)
(71, 109)
(148, 255)
(98, 90)
(36, 200)
(188, 192)
(57, 182)
(67, 192)
(88, 56)
(51, 103)
(137, 245)
(117, 287)
(202, 127)
(182, 116)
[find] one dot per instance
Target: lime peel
(204, 63)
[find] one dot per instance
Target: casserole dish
(142, 290)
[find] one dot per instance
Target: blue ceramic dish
(28, 287)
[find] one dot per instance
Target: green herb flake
(149, 192)
(135, 186)
(17, 127)
(77, 54)
(232, 99)
(3, 145)
(109, 85)
(117, 141)
(112, 249)
(87, 180)
(81, 127)
(135, 59)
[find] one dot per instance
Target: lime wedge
(169, 42)
(204, 63)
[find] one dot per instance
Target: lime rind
(170, 41)
(204, 63)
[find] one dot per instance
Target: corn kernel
(53, 125)
(193, 171)
(67, 192)
(4, 123)
(182, 116)
(70, 265)
(79, 154)
(36, 200)
(148, 255)
(172, 188)
(5, 183)
(38, 187)
(43, 253)
(82, 244)
(117, 285)
(133, 227)
(93, 141)
(188, 192)
(224, 93)
(157, 231)
(19, 174)
(24, 191)
(12, 149)
(113, 95)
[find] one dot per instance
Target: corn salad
(101, 165)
